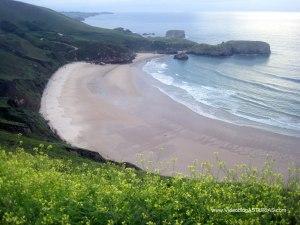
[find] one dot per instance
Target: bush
(37, 189)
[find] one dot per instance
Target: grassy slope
(72, 190)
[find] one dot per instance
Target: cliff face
(230, 48)
(210, 50)
(249, 47)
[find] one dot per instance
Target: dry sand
(116, 111)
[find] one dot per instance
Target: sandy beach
(117, 111)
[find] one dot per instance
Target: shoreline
(115, 110)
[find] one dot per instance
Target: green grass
(36, 188)
(58, 150)
(3, 103)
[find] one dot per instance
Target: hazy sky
(169, 5)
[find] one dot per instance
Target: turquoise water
(244, 90)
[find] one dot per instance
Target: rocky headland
(81, 16)
(230, 48)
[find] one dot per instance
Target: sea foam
(223, 103)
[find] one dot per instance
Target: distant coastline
(81, 16)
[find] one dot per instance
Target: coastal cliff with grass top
(44, 180)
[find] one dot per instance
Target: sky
(168, 5)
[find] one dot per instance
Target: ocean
(262, 92)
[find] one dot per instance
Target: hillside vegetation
(38, 189)
(36, 41)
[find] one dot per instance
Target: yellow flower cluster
(38, 189)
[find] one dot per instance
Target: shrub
(37, 189)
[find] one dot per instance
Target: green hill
(25, 15)
(37, 19)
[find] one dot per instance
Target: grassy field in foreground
(36, 188)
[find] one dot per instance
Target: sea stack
(175, 34)
(181, 56)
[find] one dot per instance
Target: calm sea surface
(251, 91)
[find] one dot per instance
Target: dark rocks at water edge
(123, 30)
(148, 34)
(230, 48)
(181, 56)
(175, 34)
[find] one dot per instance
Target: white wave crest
(163, 78)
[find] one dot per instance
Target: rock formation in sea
(175, 34)
(181, 56)
(230, 48)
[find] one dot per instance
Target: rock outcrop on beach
(175, 34)
(230, 48)
(95, 156)
(181, 56)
